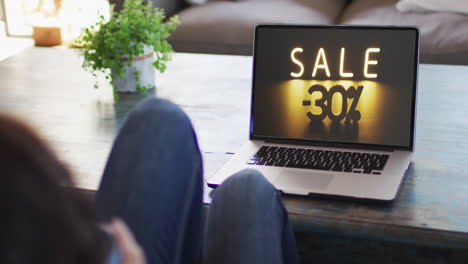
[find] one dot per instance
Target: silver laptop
(333, 110)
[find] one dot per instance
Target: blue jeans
(153, 180)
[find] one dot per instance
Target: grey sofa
(226, 27)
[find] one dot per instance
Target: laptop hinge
(330, 144)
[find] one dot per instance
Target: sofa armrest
(170, 6)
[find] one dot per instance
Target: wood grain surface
(48, 88)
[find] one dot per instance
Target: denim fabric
(247, 223)
(153, 181)
(114, 257)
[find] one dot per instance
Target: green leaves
(125, 35)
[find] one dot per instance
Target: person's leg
(153, 181)
(247, 223)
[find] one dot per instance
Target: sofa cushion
(444, 36)
(455, 6)
(228, 27)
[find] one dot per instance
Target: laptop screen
(343, 84)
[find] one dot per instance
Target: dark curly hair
(42, 220)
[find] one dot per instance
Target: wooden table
(428, 221)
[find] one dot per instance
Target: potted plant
(128, 47)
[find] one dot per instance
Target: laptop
(333, 110)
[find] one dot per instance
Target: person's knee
(250, 181)
(244, 176)
(245, 196)
(161, 109)
(157, 106)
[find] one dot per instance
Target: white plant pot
(144, 64)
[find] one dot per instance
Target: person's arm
(130, 251)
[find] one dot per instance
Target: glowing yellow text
(321, 63)
(298, 62)
(324, 65)
(368, 62)
(342, 58)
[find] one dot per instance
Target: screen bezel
(409, 147)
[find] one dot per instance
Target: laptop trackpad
(302, 182)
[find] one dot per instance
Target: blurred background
(46, 22)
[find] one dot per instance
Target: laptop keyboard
(355, 162)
